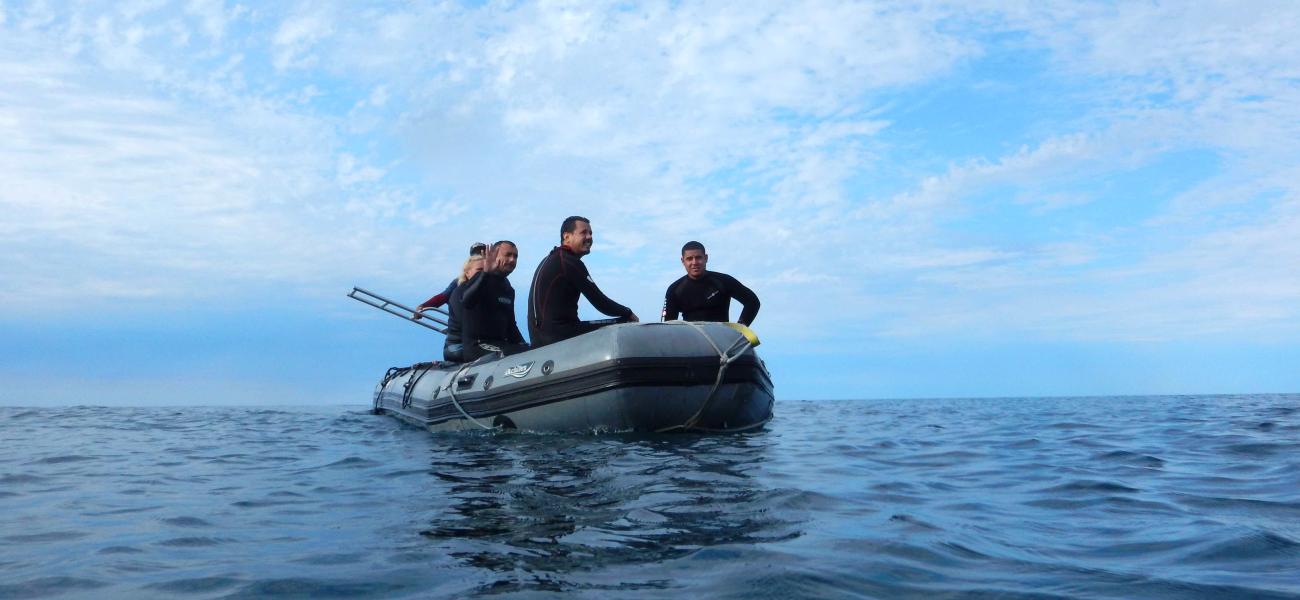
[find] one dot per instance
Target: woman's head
(471, 268)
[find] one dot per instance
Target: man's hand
(633, 319)
(418, 310)
(493, 259)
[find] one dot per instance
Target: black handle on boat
(372, 299)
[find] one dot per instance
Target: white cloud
(297, 36)
(318, 142)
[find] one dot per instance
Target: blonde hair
(464, 271)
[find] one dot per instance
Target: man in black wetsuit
(487, 306)
(560, 279)
(703, 295)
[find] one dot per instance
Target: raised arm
(473, 289)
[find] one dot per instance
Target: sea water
(1174, 497)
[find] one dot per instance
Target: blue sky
(931, 199)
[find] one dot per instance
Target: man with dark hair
(703, 295)
(560, 279)
(487, 304)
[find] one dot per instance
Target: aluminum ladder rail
(406, 313)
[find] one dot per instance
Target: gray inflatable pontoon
(645, 377)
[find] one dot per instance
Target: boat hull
(650, 377)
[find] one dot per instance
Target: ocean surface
(1136, 497)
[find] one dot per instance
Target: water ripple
(1033, 498)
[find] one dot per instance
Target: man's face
(507, 258)
(579, 240)
(695, 261)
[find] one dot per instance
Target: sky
(932, 199)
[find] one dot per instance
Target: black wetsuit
(709, 299)
(486, 306)
(453, 346)
(553, 299)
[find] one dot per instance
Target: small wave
(121, 511)
(21, 478)
(120, 550)
(265, 503)
(193, 542)
(195, 585)
(1091, 486)
(1132, 458)
(1064, 504)
(351, 462)
(187, 522)
(51, 536)
(315, 588)
(331, 559)
(1259, 448)
(913, 523)
(404, 473)
(1255, 546)
(58, 460)
(48, 586)
(1248, 505)
(1068, 425)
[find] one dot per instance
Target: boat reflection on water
(582, 512)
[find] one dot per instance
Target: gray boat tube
(637, 377)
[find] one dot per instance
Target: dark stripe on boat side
(606, 375)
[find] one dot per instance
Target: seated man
(560, 279)
(486, 304)
(703, 295)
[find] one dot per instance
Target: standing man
(487, 303)
(703, 295)
(560, 279)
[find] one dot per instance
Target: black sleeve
(745, 296)
(582, 280)
(515, 335)
(473, 288)
(671, 310)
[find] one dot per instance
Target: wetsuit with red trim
(451, 347)
(553, 299)
(440, 299)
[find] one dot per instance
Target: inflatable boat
(635, 377)
(644, 377)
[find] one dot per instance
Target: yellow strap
(747, 332)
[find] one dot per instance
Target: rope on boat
(451, 387)
(423, 369)
(725, 358)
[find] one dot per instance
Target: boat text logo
(519, 371)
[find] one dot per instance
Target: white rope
(725, 358)
(451, 387)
